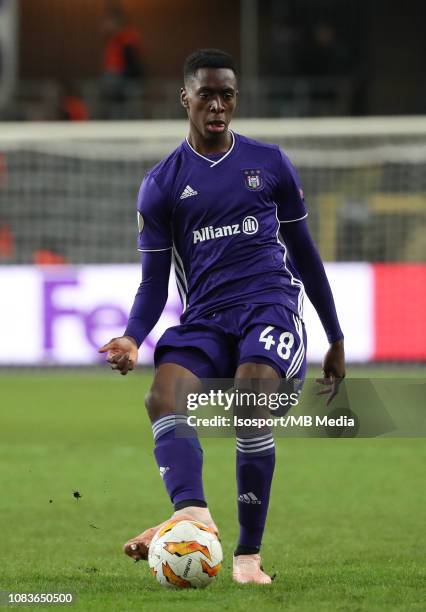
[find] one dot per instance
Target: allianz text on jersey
(249, 226)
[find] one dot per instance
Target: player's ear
(184, 97)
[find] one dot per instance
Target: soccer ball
(184, 554)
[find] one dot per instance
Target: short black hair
(207, 58)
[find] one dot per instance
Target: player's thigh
(256, 376)
(276, 337)
(169, 390)
(184, 355)
(201, 347)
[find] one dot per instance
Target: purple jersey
(221, 215)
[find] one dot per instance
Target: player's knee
(158, 404)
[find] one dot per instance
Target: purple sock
(180, 460)
(255, 468)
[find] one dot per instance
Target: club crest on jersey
(253, 179)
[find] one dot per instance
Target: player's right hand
(122, 353)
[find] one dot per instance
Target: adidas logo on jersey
(248, 498)
(188, 192)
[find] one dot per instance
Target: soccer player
(231, 213)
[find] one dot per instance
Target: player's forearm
(151, 296)
(319, 292)
(305, 257)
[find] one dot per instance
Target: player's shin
(255, 468)
(180, 459)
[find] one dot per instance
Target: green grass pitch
(345, 528)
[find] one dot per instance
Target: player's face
(210, 98)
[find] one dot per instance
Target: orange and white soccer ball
(185, 554)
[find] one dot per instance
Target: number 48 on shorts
(283, 344)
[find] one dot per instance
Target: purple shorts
(214, 346)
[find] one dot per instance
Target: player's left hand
(334, 370)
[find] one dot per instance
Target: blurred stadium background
(89, 101)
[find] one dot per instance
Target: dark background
(377, 64)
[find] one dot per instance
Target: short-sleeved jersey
(220, 214)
